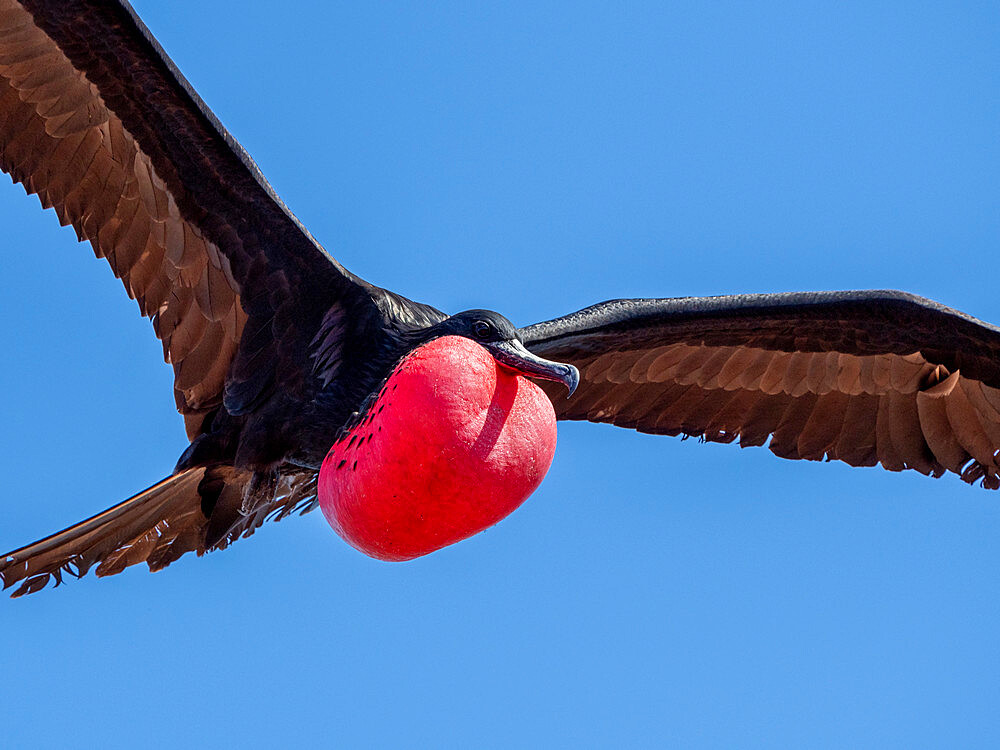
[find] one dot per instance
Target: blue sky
(536, 158)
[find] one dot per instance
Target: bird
(285, 362)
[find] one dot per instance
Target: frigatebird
(282, 358)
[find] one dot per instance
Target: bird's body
(278, 350)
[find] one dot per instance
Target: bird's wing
(862, 377)
(97, 121)
(156, 526)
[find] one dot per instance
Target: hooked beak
(514, 355)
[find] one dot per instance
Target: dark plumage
(276, 347)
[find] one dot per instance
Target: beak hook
(514, 355)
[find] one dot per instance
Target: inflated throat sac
(453, 443)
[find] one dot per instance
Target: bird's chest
(451, 445)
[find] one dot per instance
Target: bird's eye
(482, 329)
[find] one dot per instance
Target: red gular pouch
(453, 443)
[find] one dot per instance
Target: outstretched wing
(862, 377)
(156, 526)
(97, 121)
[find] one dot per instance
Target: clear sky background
(536, 158)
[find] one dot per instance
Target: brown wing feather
(157, 527)
(162, 513)
(60, 140)
(918, 422)
(97, 121)
(844, 376)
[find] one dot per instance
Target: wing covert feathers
(867, 394)
(60, 141)
(97, 121)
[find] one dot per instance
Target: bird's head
(500, 338)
